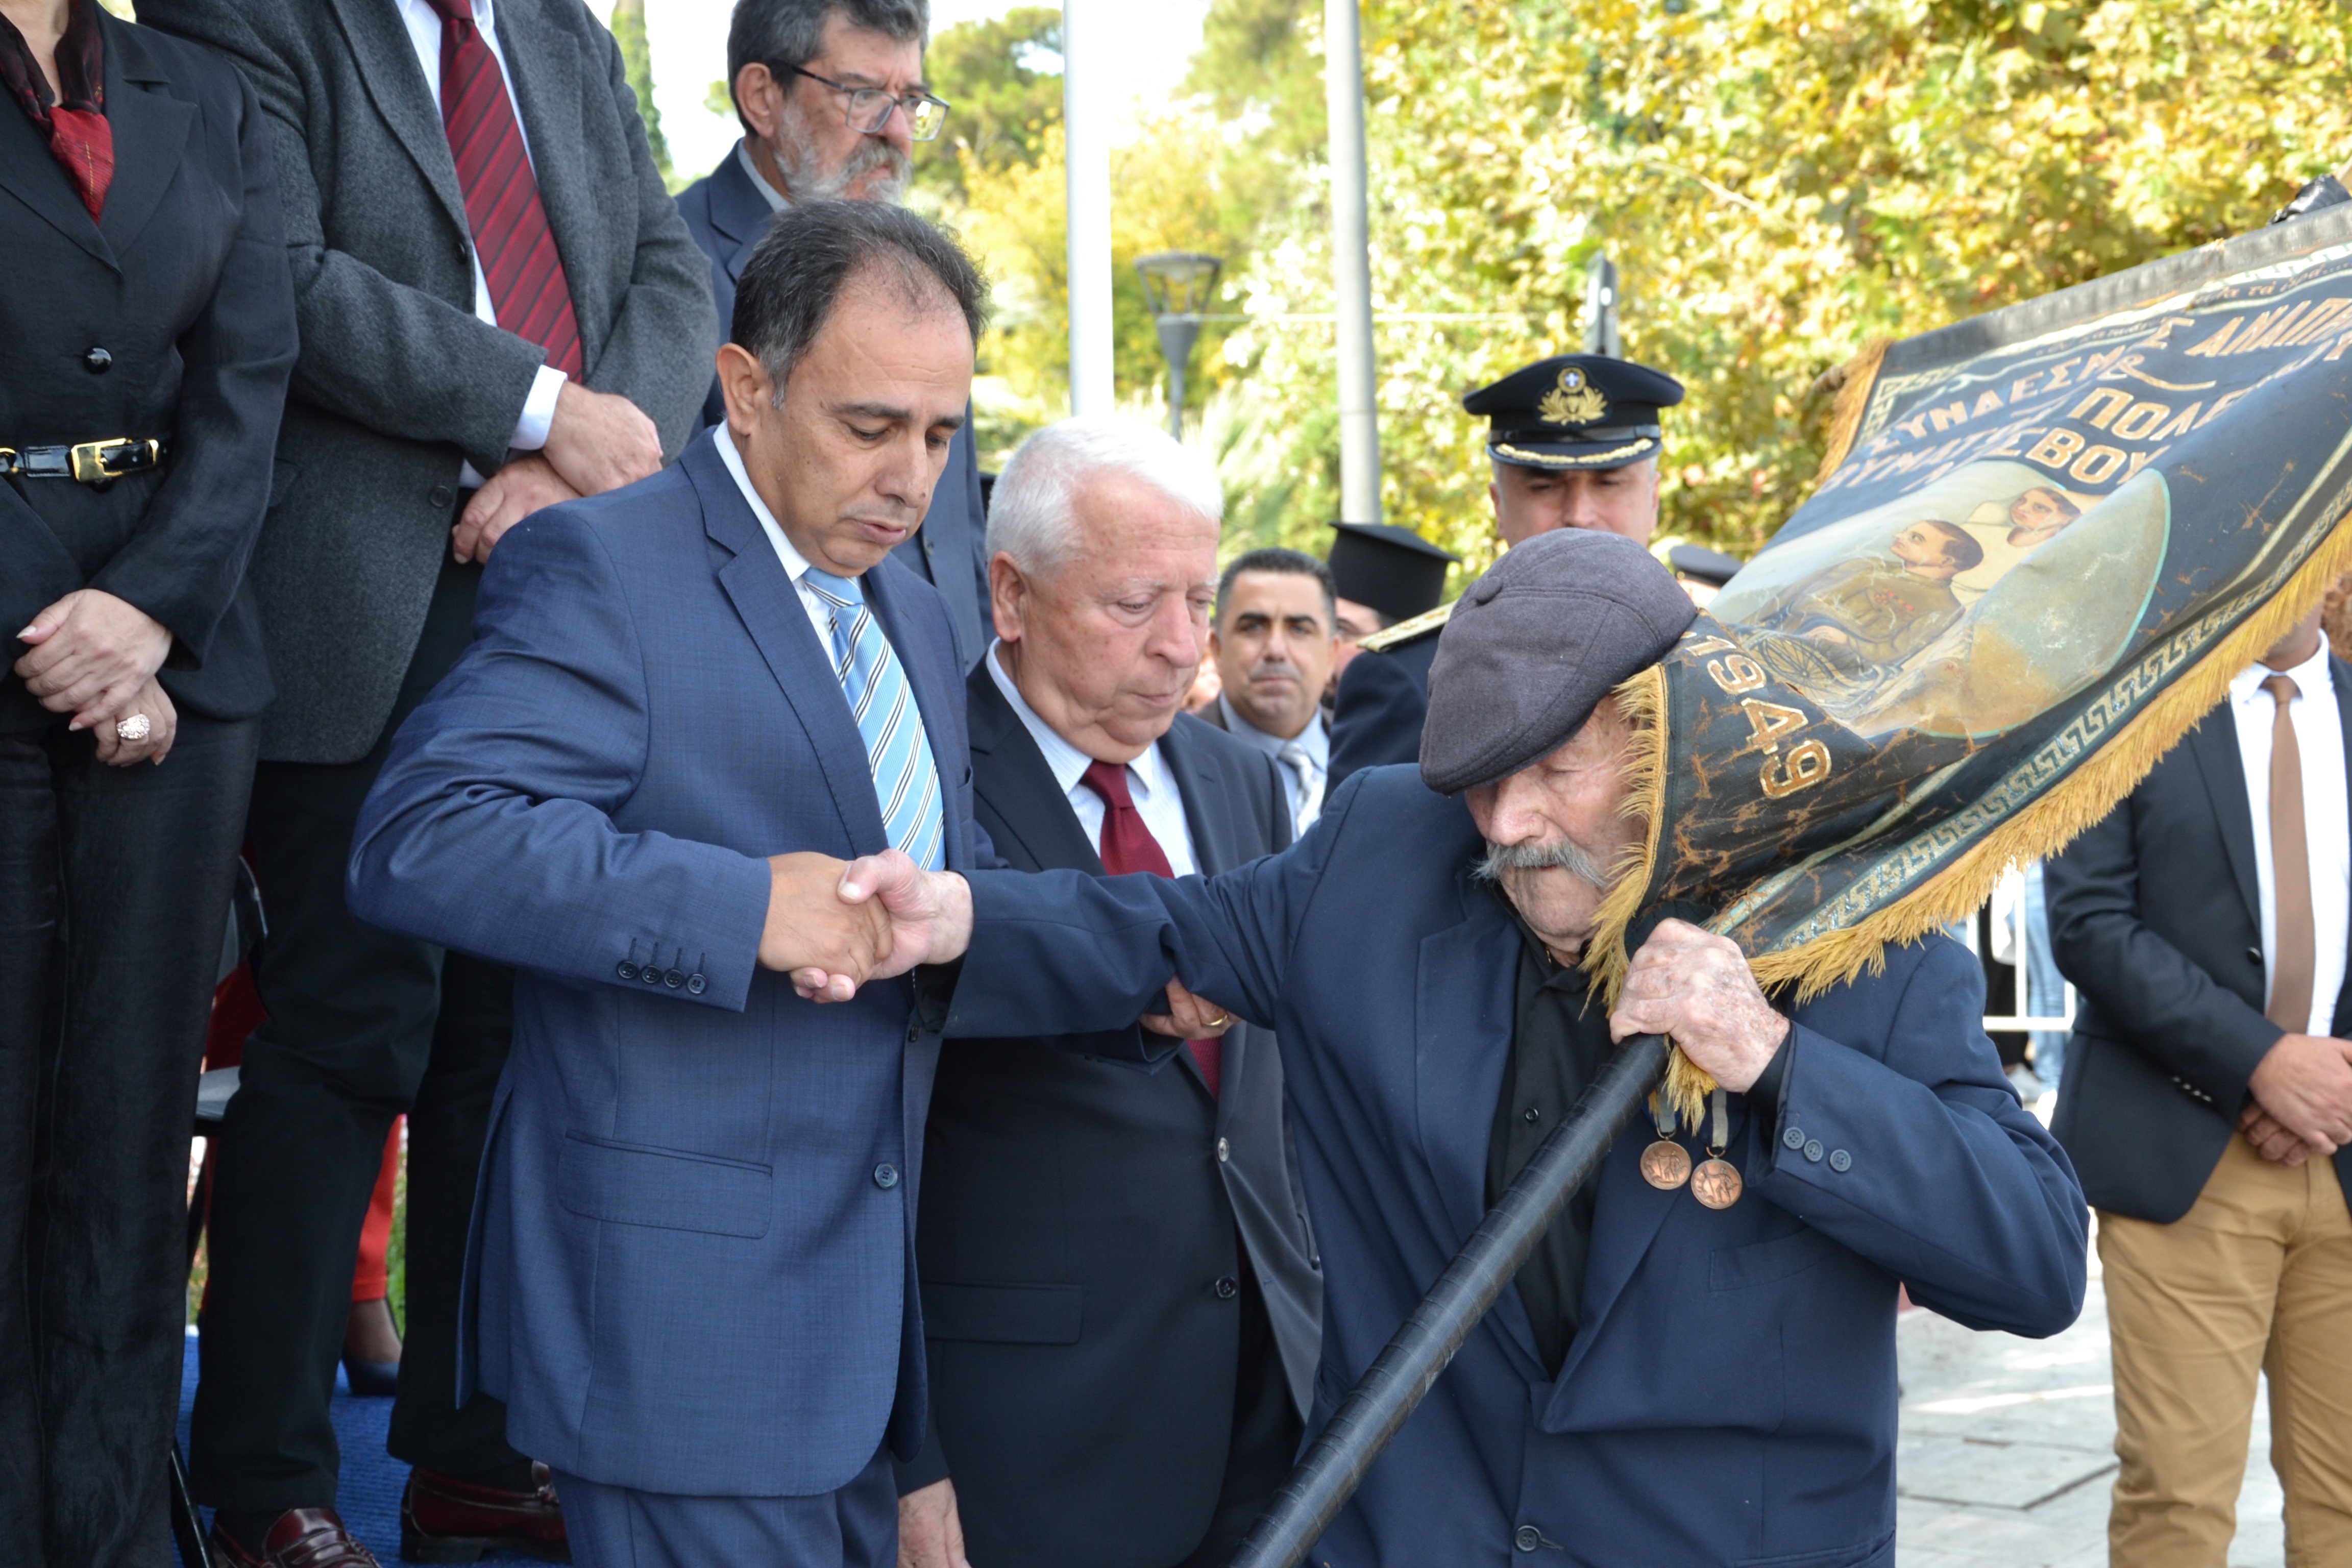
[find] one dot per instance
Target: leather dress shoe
(302, 1538)
(445, 1520)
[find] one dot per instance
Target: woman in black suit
(146, 335)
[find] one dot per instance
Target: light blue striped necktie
(897, 751)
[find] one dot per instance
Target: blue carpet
(368, 1493)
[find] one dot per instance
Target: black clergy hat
(1576, 411)
(1698, 563)
(1392, 569)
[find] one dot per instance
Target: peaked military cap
(1392, 569)
(1576, 411)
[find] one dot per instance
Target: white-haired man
(1120, 1292)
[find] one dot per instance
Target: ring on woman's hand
(1220, 1021)
(133, 729)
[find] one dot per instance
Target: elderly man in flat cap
(1573, 442)
(1670, 1382)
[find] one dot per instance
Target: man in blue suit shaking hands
(1671, 1381)
(691, 1270)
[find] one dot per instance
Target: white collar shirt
(424, 25)
(796, 566)
(768, 193)
(1149, 781)
(2326, 813)
(1304, 784)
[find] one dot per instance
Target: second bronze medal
(1716, 1183)
(1666, 1165)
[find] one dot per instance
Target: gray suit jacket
(398, 382)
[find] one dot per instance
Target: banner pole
(1336, 1463)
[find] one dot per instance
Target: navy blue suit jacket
(1731, 1397)
(1383, 702)
(692, 1260)
(727, 214)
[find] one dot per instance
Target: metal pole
(1176, 398)
(1375, 1407)
(1087, 71)
(1352, 263)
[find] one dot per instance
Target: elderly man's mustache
(1552, 855)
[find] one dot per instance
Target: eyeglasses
(868, 109)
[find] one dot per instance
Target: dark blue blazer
(1383, 701)
(1731, 1398)
(2170, 969)
(727, 214)
(692, 1260)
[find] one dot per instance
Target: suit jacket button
(2254, 955)
(1813, 1150)
(98, 361)
(673, 978)
(695, 984)
(626, 969)
(1225, 1152)
(649, 975)
(1840, 1161)
(1527, 1538)
(441, 496)
(1794, 1138)
(1227, 1289)
(886, 1177)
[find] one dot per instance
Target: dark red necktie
(1127, 845)
(515, 247)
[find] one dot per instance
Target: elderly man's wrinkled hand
(810, 929)
(1696, 987)
(1189, 1017)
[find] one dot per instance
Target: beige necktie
(2295, 954)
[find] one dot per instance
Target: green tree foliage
(1780, 181)
(1005, 79)
(637, 60)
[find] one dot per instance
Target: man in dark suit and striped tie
(499, 309)
(692, 1270)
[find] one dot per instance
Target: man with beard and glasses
(1670, 1381)
(832, 100)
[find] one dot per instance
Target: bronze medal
(1716, 1183)
(1665, 1165)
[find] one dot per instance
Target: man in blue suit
(1669, 1382)
(830, 95)
(691, 1270)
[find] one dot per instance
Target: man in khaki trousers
(2207, 924)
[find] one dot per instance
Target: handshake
(833, 925)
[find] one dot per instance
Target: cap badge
(1572, 402)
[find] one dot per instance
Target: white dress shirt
(1306, 786)
(425, 33)
(774, 198)
(796, 565)
(2327, 818)
(1149, 783)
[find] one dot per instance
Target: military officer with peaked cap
(1574, 442)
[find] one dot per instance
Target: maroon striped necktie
(511, 239)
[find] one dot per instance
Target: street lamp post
(1179, 283)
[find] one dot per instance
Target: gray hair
(1032, 516)
(789, 33)
(813, 250)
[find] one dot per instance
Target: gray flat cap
(1536, 644)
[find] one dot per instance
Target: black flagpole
(1377, 1407)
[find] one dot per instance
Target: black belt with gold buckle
(91, 462)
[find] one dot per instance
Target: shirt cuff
(538, 410)
(1764, 1094)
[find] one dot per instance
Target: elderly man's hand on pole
(924, 917)
(1696, 987)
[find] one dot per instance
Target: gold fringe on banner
(1959, 891)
